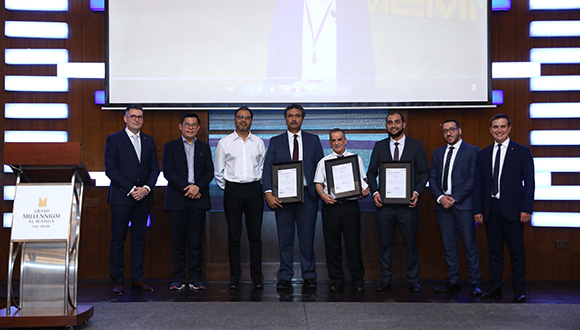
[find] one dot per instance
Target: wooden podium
(50, 182)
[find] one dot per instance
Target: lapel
(286, 145)
(128, 141)
(389, 156)
(458, 156)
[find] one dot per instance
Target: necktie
(446, 169)
(396, 153)
(495, 187)
(137, 145)
(295, 151)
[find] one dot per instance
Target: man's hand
(478, 218)
(447, 201)
(525, 217)
(414, 199)
(377, 200)
(272, 201)
(139, 193)
(366, 192)
(191, 191)
(328, 199)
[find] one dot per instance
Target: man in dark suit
(398, 147)
(188, 168)
(294, 145)
(503, 198)
(451, 183)
(132, 166)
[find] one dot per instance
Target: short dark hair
(499, 116)
(133, 106)
(395, 113)
(451, 120)
(295, 106)
(335, 130)
(189, 115)
(244, 108)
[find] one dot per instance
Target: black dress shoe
(384, 287)
(142, 286)
(449, 288)
(257, 285)
(492, 293)
(359, 285)
(338, 286)
(475, 291)
(310, 283)
(414, 287)
(283, 285)
(519, 297)
(234, 284)
(118, 290)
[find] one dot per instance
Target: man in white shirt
(341, 218)
(239, 161)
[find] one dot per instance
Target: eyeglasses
(240, 117)
(451, 130)
(190, 125)
(135, 117)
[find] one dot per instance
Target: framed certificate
(343, 177)
(396, 182)
(288, 182)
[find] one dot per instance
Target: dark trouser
(120, 217)
(342, 220)
(300, 218)
(451, 221)
(499, 232)
(187, 229)
(388, 217)
(244, 198)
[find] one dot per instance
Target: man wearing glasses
(239, 160)
(132, 166)
(451, 183)
(188, 168)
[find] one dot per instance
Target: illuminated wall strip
(35, 136)
(555, 110)
(99, 97)
(35, 56)
(557, 164)
(555, 55)
(7, 169)
(81, 70)
(497, 5)
(9, 193)
(554, 28)
(21, 29)
(36, 110)
(101, 179)
(555, 138)
(515, 69)
(97, 5)
(555, 83)
(497, 97)
(554, 4)
(556, 219)
(37, 5)
(7, 223)
(35, 84)
(543, 179)
(557, 193)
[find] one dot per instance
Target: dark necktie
(494, 187)
(396, 153)
(295, 151)
(446, 169)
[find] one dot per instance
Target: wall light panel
(101, 179)
(39, 5)
(22, 29)
(97, 5)
(515, 69)
(9, 193)
(557, 193)
(35, 136)
(81, 70)
(99, 97)
(7, 169)
(7, 223)
(36, 110)
(35, 84)
(501, 5)
(556, 219)
(554, 28)
(35, 56)
(555, 83)
(555, 137)
(555, 55)
(554, 4)
(497, 97)
(557, 164)
(555, 110)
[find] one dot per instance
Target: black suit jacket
(516, 184)
(413, 152)
(175, 171)
(124, 169)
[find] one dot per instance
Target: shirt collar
(291, 135)
(130, 134)
(456, 145)
(185, 141)
(505, 143)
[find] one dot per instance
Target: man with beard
(239, 160)
(451, 183)
(398, 147)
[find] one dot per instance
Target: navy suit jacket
(122, 167)
(516, 184)
(461, 175)
(175, 171)
(279, 152)
(413, 152)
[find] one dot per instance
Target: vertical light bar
(36, 110)
(37, 5)
(35, 56)
(35, 84)
(554, 28)
(555, 110)
(35, 136)
(555, 55)
(22, 29)
(7, 223)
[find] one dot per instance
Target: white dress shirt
(239, 161)
(504, 147)
(456, 147)
(401, 146)
(320, 175)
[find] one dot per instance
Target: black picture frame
(329, 166)
(299, 198)
(408, 177)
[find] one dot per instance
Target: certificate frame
(408, 178)
(297, 166)
(330, 164)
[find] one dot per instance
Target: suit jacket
(175, 171)
(279, 152)
(122, 167)
(413, 152)
(461, 175)
(516, 183)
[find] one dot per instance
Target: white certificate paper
(396, 183)
(287, 183)
(343, 178)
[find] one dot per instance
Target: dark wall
(90, 125)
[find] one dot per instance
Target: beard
(396, 134)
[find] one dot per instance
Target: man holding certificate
(341, 216)
(294, 146)
(401, 165)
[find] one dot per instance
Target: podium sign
(42, 212)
